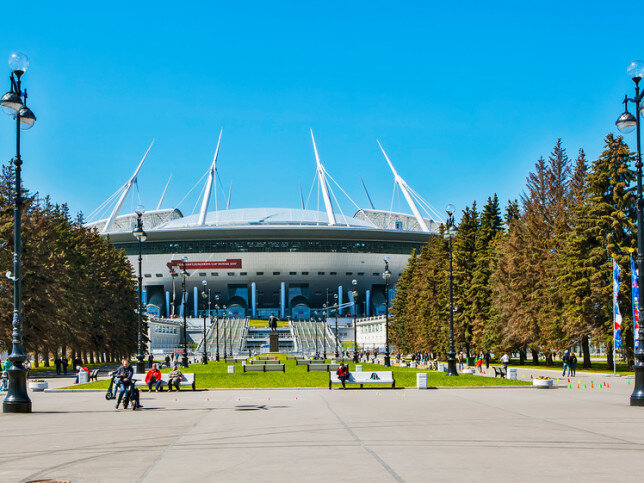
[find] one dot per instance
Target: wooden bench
(93, 375)
(321, 367)
(186, 380)
(306, 362)
(362, 378)
(294, 358)
(262, 362)
(263, 368)
(500, 371)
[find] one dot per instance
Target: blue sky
(464, 97)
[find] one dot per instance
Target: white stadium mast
(209, 182)
(323, 184)
(405, 191)
(125, 191)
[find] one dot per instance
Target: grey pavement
(318, 435)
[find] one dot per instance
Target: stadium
(290, 262)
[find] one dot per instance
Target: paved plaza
(320, 435)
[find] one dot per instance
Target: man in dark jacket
(57, 363)
(566, 363)
(124, 377)
(65, 364)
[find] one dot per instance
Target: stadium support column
(340, 298)
(195, 302)
(253, 297)
(167, 303)
(367, 310)
(282, 299)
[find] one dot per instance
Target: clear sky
(465, 97)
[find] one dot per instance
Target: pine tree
(399, 306)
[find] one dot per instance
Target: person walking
(566, 363)
(505, 360)
(460, 361)
(58, 363)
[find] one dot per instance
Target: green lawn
(598, 365)
(215, 375)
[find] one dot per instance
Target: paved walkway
(315, 435)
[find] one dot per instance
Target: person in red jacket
(153, 377)
(343, 374)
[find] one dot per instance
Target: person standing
(65, 363)
(460, 361)
(573, 364)
(150, 361)
(486, 356)
(566, 363)
(57, 363)
(167, 360)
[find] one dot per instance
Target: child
(479, 364)
(4, 381)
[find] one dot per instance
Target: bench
(306, 362)
(267, 358)
(263, 362)
(294, 358)
(186, 380)
(369, 377)
(500, 371)
(93, 375)
(263, 368)
(321, 367)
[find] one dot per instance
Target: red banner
(217, 264)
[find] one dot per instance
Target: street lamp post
(335, 296)
(141, 236)
(355, 318)
(626, 123)
(386, 275)
(14, 103)
(451, 355)
(184, 276)
(315, 324)
(225, 339)
(217, 324)
(204, 353)
(324, 333)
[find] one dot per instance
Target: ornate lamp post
(204, 296)
(386, 275)
(335, 296)
(141, 236)
(451, 355)
(626, 123)
(217, 324)
(184, 301)
(355, 318)
(14, 103)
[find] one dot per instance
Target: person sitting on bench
(153, 378)
(174, 378)
(343, 374)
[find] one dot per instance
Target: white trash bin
(231, 369)
(83, 377)
(512, 373)
(413, 365)
(421, 380)
(358, 368)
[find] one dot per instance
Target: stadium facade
(262, 261)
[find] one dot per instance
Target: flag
(617, 317)
(635, 295)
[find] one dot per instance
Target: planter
(543, 383)
(38, 386)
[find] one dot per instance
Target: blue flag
(617, 317)
(635, 295)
